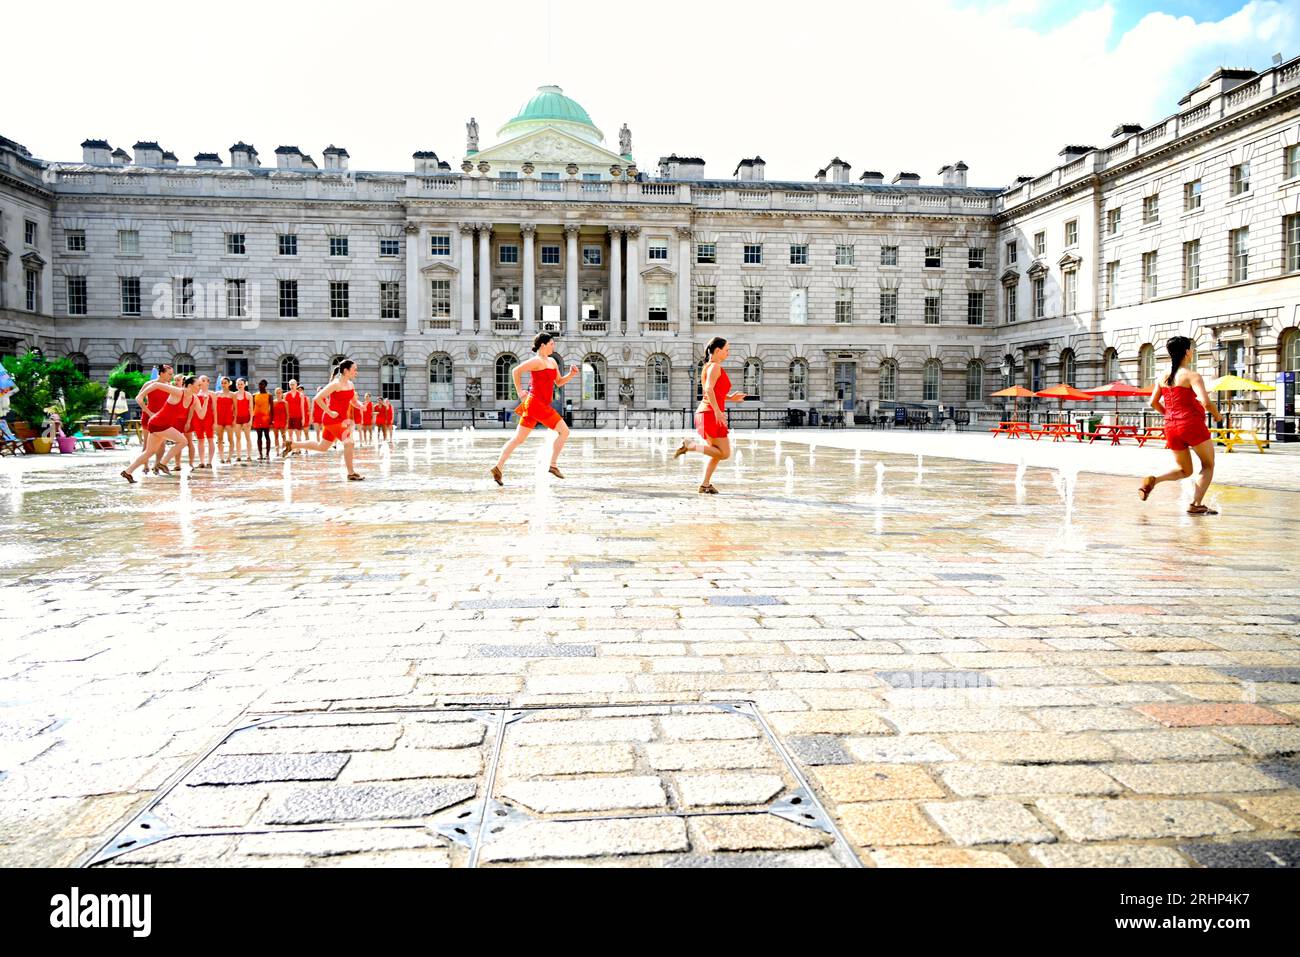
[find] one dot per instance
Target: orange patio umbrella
(1064, 393)
(1015, 393)
(1118, 390)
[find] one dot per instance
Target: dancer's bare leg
(561, 436)
(518, 439)
(1204, 452)
(722, 448)
(1184, 469)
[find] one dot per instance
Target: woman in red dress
(204, 419)
(243, 421)
(384, 419)
(279, 419)
(536, 408)
(296, 404)
(335, 401)
(711, 415)
(154, 400)
(167, 424)
(1183, 400)
(368, 422)
(225, 427)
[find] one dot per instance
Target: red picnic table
(1060, 431)
(1155, 433)
(1013, 429)
(1114, 433)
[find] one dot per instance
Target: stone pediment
(657, 272)
(4, 250)
(33, 260)
(549, 146)
(1010, 277)
(1039, 268)
(435, 269)
(1069, 261)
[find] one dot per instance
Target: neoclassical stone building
(837, 287)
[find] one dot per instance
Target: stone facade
(829, 288)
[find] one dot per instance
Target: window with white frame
(1150, 276)
(843, 255)
(1068, 368)
(235, 245)
(593, 378)
(1291, 162)
(930, 380)
(706, 304)
(889, 255)
(798, 254)
(975, 257)
(656, 294)
(339, 305)
(75, 240)
(657, 378)
(1010, 294)
(550, 255)
(338, 245)
(505, 385)
(508, 254)
(1112, 283)
(844, 306)
(753, 254)
(1146, 366)
(128, 242)
(288, 296)
(440, 244)
(441, 381)
(1192, 195)
(390, 248)
(1040, 243)
(591, 255)
(933, 308)
(128, 288)
(182, 242)
(975, 308)
(888, 307)
(1110, 366)
(1070, 291)
(290, 370)
(798, 381)
(1113, 217)
(236, 299)
(933, 257)
(1192, 266)
(1151, 209)
(32, 287)
(440, 299)
(798, 306)
(1013, 253)
(390, 300)
(76, 295)
(1239, 245)
(286, 244)
(753, 310)
(1071, 233)
(753, 378)
(888, 391)
(29, 232)
(183, 296)
(974, 381)
(1291, 239)
(706, 254)
(656, 250)
(1239, 179)
(1039, 287)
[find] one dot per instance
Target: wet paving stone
(1262, 675)
(533, 651)
(258, 768)
(366, 802)
(1284, 853)
(1288, 773)
(815, 749)
(745, 600)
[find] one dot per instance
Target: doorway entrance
(846, 385)
(236, 368)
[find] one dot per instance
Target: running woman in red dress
(153, 401)
(167, 424)
(711, 415)
(536, 407)
(205, 420)
(334, 401)
(279, 419)
(1183, 400)
(225, 403)
(243, 421)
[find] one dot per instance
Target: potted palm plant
(77, 398)
(27, 404)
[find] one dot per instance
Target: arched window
(334, 365)
(1110, 366)
(505, 387)
(1290, 349)
(1067, 367)
(889, 380)
(80, 363)
(699, 381)
(974, 381)
(1146, 366)
(930, 384)
(799, 381)
(133, 363)
(183, 364)
(390, 379)
(657, 372)
(593, 378)
(440, 378)
(289, 369)
(753, 377)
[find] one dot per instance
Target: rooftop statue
(625, 141)
(471, 136)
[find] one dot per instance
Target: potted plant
(30, 374)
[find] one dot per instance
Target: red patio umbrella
(1118, 390)
(1016, 393)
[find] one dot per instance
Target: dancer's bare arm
(711, 380)
(566, 379)
(528, 365)
(1198, 386)
(1155, 402)
(322, 398)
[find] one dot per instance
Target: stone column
(528, 294)
(416, 310)
(485, 277)
(571, 279)
(466, 277)
(633, 281)
(615, 280)
(684, 279)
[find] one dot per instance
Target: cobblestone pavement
(423, 669)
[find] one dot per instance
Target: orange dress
(536, 407)
(261, 410)
(338, 426)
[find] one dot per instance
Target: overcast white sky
(911, 86)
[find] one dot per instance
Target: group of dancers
(219, 425)
(189, 416)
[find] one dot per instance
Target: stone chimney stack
(426, 162)
(907, 179)
(872, 177)
(169, 158)
(821, 175)
(759, 168)
(959, 174)
(148, 153)
(840, 170)
(745, 170)
(288, 157)
(1072, 153)
(1126, 129)
(121, 157)
(96, 153)
(207, 159)
(243, 156)
(336, 157)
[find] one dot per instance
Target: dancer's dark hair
(1178, 348)
(345, 365)
(541, 339)
(717, 342)
(261, 386)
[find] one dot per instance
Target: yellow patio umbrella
(1235, 383)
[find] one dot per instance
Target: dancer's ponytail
(1178, 348)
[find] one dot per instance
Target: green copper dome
(550, 107)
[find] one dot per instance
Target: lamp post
(401, 372)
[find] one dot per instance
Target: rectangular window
(390, 248)
(975, 257)
(798, 306)
(1072, 233)
(706, 253)
(1113, 216)
(706, 304)
(1239, 243)
(440, 244)
(1040, 297)
(1070, 291)
(76, 240)
(933, 309)
(753, 305)
(235, 244)
(1192, 195)
(29, 232)
(128, 242)
(799, 254)
(338, 245)
(1150, 282)
(33, 288)
(390, 300)
(440, 299)
(1112, 283)
(844, 306)
(287, 244)
(933, 257)
(338, 300)
(1151, 209)
(128, 288)
(1192, 266)
(1011, 303)
(889, 255)
(183, 296)
(1291, 239)
(656, 250)
(1040, 243)
(591, 255)
(1291, 162)
(1240, 179)
(76, 295)
(182, 243)
(508, 254)
(236, 299)
(844, 255)
(975, 308)
(1013, 253)
(888, 308)
(550, 255)
(288, 299)
(753, 254)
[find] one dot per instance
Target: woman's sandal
(682, 449)
(1200, 510)
(1148, 484)
(128, 476)
(354, 477)
(708, 490)
(555, 470)
(496, 476)
(161, 469)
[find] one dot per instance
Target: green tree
(30, 373)
(119, 380)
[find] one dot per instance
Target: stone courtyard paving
(829, 664)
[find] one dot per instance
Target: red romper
(203, 426)
(172, 416)
(336, 428)
(225, 403)
(243, 408)
(368, 414)
(1184, 418)
(279, 414)
(154, 401)
(536, 407)
(706, 422)
(293, 402)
